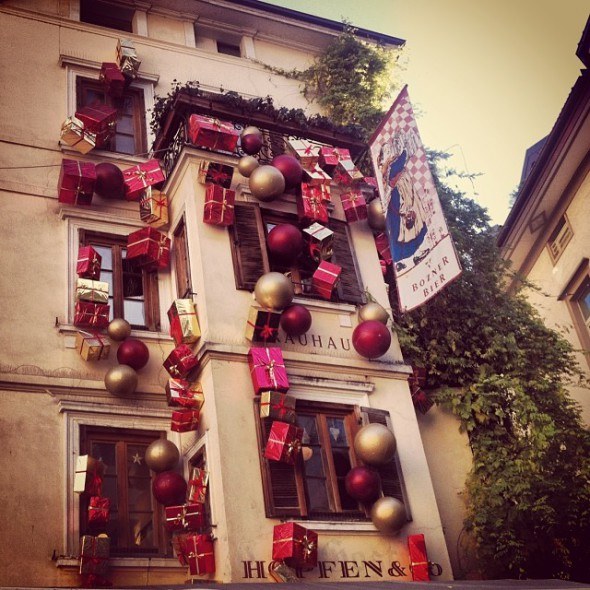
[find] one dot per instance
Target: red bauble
(363, 484)
(169, 488)
(285, 243)
(251, 143)
(290, 168)
(371, 339)
(296, 320)
(109, 181)
(134, 353)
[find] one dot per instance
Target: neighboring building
(546, 236)
(54, 405)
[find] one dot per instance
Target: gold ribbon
(291, 447)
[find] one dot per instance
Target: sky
(487, 78)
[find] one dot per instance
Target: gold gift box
(153, 208)
(184, 325)
(127, 58)
(94, 291)
(74, 135)
(92, 347)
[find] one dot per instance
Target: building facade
(54, 406)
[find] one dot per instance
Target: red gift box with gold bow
(99, 510)
(354, 205)
(279, 406)
(181, 393)
(153, 207)
(197, 485)
(113, 79)
(184, 420)
(418, 558)
(199, 554)
(88, 263)
(184, 324)
(181, 362)
(138, 178)
(311, 203)
(149, 248)
(219, 205)
(267, 369)
(186, 517)
(212, 133)
(284, 442)
(99, 119)
(325, 279)
(329, 157)
(91, 315)
(76, 182)
(295, 545)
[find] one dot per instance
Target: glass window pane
(105, 452)
(337, 432)
(125, 144)
(125, 125)
(107, 277)
(314, 465)
(341, 462)
(584, 300)
(317, 495)
(141, 529)
(93, 97)
(346, 501)
(310, 432)
(136, 465)
(134, 312)
(107, 256)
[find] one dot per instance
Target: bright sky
(488, 78)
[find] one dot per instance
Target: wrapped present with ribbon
(127, 58)
(320, 242)
(113, 79)
(311, 204)
(138, 178)
(280, 572)
(383, 249)
(199, 555)
(315, 176)
(329, 157)
(278, 406)
(347, 174)
(99, 119)
(185, 420)
(295, 545)
(354, 205)
(212, 133)
(219, 206)
(76, 182)
(184, 518)
(177, 546)
(74, 134)
(267, 369)
(197, 485)
(181, 362)
(88, 263)
(418, 558)
(88, 475)
(91, 315)
(370, 182)
(284, 442)
(94, 554)
(99, 510)
(89, 290)
(93, 347)
(307, 153)
(153, 207)
(215, 173)
(181, 393)
(420, 399)
(325, 279)
(262, 325)
(149, 248)
(184, 325)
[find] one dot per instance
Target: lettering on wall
(317, 341)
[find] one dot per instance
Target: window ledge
(326, 306)
(106, 155)
(71, 330)
(127, 562)
(336, 526)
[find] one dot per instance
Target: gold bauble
(251, 130)
(119, 329)
(274, 290)
(121, 380)
(373, 311)
(162, 455)
(388, 515)
(375, 444)
(375, 215)
(266, 183)
(247, 165)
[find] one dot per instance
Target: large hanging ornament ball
(133, 352)
(162, 455)
(251, 130)
(375, 444)
(169, 488)
(109, 181)
(290, 168)
(375, 215)
(274, 290)
(363, 484)
(266, 183)
(373, 311)
(119, 329)
(371, 339)
(388, 515)
(285, 243)
(121, 380)
(296, 320)
(247, 165)
(252, 143)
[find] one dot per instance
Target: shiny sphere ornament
(169, 488)
(388, 515)
(251, 130)
(274, 290)
(133, 352)
(121, 380)
(162, 455)
(252, 143)
(266, 183)
(285, 243)
(119, 329)
(296, 320)
(371, 339)
(290, 168)
(109, 181)
(375, 215)
(373, 311)
(375, 444)
(247, 165)
(363, 484)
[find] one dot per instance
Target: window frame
(559, 239)
(109, 20)
(181, 260)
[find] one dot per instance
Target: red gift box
(212, 133)
(99, 119)
(284, 442)
(199, 555)
(295, 545)
(91, 315)
(186, 517)
(311, 204)
(416, 381)
(197, 485)
(329, 157)
(263, 325)
(88, 263)
(382, 244)
(76, 182)
(113, 79)
(219, 205)
(138, 178)
(347, 174)
(184, 420)
(98, 510)
(354, 205)
(181, 393)
(418, 558)
(149, 247)
(180, 362)
(184, 324)
(267, 369)
(325, 279)
(215, 173)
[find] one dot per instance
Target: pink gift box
(212, 133)
(138, 178)
(88, 263)
(325, 279)
(295, 545)
(354, 205)
(181, 362)
(149, 248)
(311, 204)
(113, 79)
(184, 420)
(186, 517)
(76, 182)
(91, 315)
(267, 369)
(329, 157)
(284, 442)
(219, 205)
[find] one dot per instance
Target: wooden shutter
(182, 265)
(248, 246)
(349, 288)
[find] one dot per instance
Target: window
(181, 261)
(107, 14)
(133, 291)
(129, 137)
(135, 526)
(229, 48)
(560, 238)
(314, 487)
